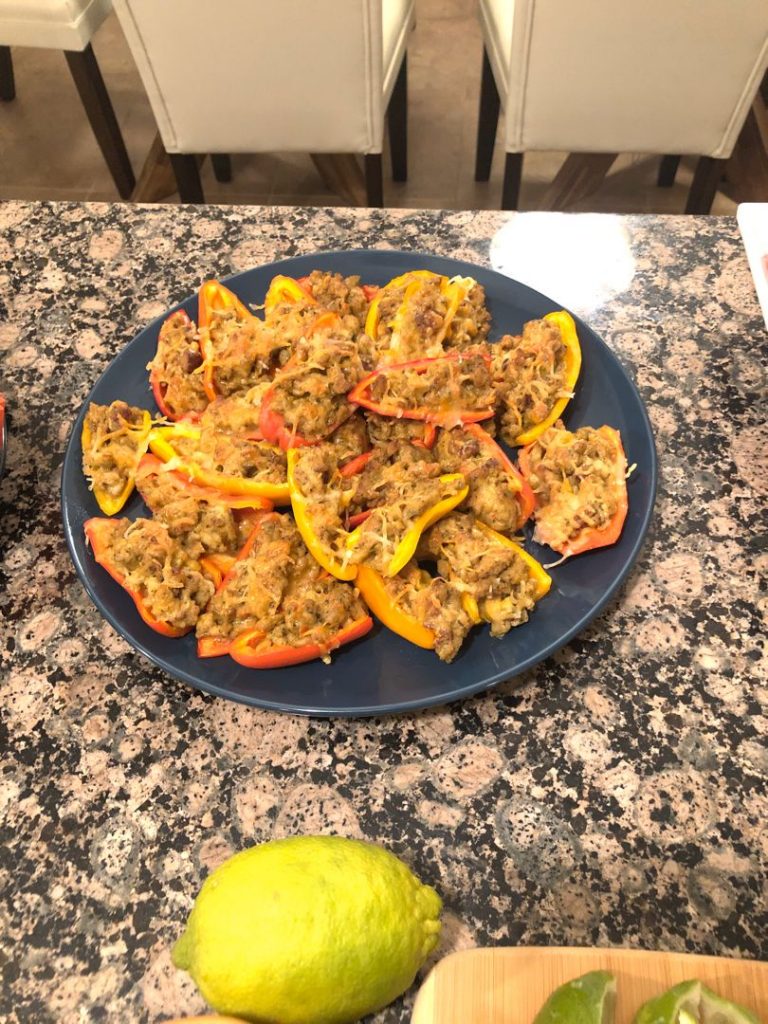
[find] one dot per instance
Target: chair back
(251, 76)
(657, 76)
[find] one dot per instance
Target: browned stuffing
(439, 386)
(177, 365)
(316, 474)
(117, 442)
(342, 295)
(350, 439)
(160, 570)
(390, 469)
(280, 590)
(529, 371)
(493, 492)
(472, 321)
(311, 392)
(245, 352)
(573, 478)
(238, 414)
(435, 604)
(493, 574)
(382, 532)
(233, 456)
(201, 527)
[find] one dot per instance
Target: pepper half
(406, 549)
(272, 423)
(319, 551)
(525, 496)
(572, 369)
(108, 503)
(253, 649)
(449, 416)
(287, 290)
(98, 532)
(151, 465)
(592, 537)
(372, 319)
(161, 442)
(214, 298)
(159, 387)
(373, 589)
(538, 573)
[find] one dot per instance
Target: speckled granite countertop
(615, 795)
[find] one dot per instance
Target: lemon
(690, 1002)
(315, 929)
(586, 1000)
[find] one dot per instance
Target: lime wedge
(690, 1002)
(589, 999)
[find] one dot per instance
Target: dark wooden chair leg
(98, 106)
(513, 172)
(488, 119)
(667, 171)
(187, 175)
(7, 83)
(397, 120)
(222, 167)
(374, 187)
(706, 178)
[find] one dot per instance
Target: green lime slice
(690, 1002)
(589, 999)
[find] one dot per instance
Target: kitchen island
(614, 795)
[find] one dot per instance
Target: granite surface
(614, 795)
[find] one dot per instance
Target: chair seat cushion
(51, 24)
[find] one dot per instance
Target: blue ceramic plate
(384, 673)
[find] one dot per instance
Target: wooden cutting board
(509, 985)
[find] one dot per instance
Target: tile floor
(47, 150)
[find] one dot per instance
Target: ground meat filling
(117, 441)
(311, 393)
(233, 456)
(238, 414)
(434, 603)
(177, 366)
(201, 527)
(387, 525)
(342, 295)
(529, 371)
(386, 472)
(251, 597)
(160, 570)
(245, 352)
(441, 386)
(419, 325)
(493, 574)
(350, 439)
(278, 589)
(389, 428)
(493, 492)
(471, 322)
(573, 478)
(316, 474)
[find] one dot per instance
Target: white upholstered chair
(255, 76)
(613, 76)
(68, 25)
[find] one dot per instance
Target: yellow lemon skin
(308, 930)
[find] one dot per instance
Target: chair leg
(667, 171)
(397, 120)
(487, 121)
(222, 167)
(98, 106)
(7, 83)
(706, 178)
(513, 172)
(187, 175)
(374, 187)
